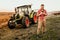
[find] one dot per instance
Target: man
(41, 19)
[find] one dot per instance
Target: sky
(9, 5)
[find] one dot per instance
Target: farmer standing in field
(41, 14)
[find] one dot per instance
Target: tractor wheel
(11, 25)
(35, 18)
(25, 22)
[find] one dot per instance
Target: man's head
(42, 6)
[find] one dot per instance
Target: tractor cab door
(26, 12)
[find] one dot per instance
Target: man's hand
(45, 14)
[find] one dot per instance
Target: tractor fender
(31, 15)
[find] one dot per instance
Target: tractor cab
(23, 10)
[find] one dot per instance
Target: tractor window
(22, 9)
(25, 9)
(21, 13)
(19, 9)
(29, 9)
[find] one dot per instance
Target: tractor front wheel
(11, 25)
(26, 22)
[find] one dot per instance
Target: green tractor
(23, 15)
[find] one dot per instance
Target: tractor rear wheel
(35, 18)
(25, 22)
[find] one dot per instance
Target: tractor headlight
(10, 21)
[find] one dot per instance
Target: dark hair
(42, 4)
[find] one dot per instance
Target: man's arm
(45, 13)
(38, 13)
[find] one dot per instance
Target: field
(5, 16)
(52, 33)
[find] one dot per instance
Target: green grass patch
(53, 30)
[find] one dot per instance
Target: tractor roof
(24, 6)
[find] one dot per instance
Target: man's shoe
(39, 36)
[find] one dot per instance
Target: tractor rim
(35, 19)
(27, 22)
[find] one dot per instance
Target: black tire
(11, 25)
(24, 22)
